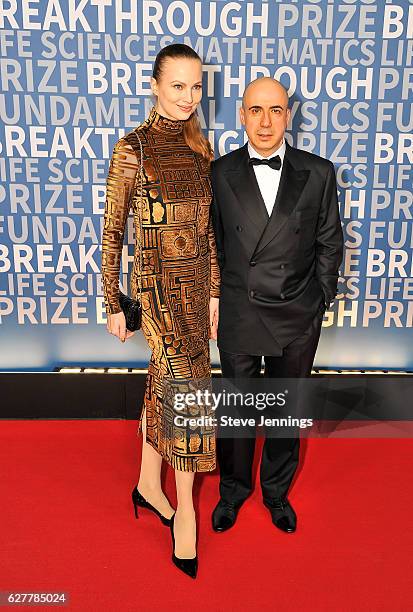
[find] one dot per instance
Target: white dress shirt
(268, 178)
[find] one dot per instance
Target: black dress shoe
(224, 516)
(188, 566)
(139, 500)
(282, 513)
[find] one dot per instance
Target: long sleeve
(329, 239)
(217, 223)
(119, 184)
(214, 290)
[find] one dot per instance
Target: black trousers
(280, 456)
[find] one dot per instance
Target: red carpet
(67, 525)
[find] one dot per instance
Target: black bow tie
(273, 162)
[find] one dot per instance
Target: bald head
(265, 114)
(265, 86)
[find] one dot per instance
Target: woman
(179, 275)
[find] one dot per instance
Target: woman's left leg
(185, 520)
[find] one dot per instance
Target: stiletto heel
(139, 500)
(135, 505)
(188, 566)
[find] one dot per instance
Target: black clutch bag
(132, 310)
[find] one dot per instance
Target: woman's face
(179, 87)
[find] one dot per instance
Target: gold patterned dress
(179, 273)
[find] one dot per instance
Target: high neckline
(163, 124)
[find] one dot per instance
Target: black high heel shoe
(139, 500)
(188, 566)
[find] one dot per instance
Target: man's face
(265, 115)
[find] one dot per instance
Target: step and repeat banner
(75, 77)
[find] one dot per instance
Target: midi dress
(179, 274)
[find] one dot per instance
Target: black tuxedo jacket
(277, 272)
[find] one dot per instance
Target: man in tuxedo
(279, 243)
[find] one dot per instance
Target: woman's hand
(213, 317)
(116, 325)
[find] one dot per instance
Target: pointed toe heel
(188, 566)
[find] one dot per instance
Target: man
(279, 243)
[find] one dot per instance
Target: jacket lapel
(292, 182)
(243, 183)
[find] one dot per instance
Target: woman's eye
(198, 86)
(178, 86)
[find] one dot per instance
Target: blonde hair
(195, 138)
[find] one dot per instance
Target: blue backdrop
(75, 80)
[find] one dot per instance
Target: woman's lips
(186, 109)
